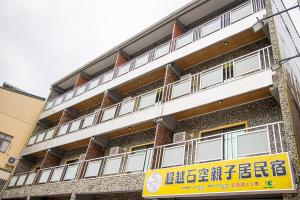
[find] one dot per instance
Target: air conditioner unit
(82, 157)
(180, 137)
(115, 151)
(185, 76)
(11, 161)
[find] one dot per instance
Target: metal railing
(223, 73)
(223, 146)
(253, 141)
(216, 24)
(253, 62)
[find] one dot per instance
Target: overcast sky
(43, 40)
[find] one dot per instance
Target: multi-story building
(189, 108)
(18, 114)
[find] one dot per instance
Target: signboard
(259, 174)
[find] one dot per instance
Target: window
(141, 147)
(5, 140)
(215, 146)
(72, 161)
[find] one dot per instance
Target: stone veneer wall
(147, 88)
(255, 113)
(73, 154)
(288, 137)
(127, 141)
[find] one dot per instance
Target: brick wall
(163, 135)
(107, 101)
(50, 160)
(81, 79)
(94, 150)
(121, 59)
(65, 117)
(178, 29)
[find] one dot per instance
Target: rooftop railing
(216, 24)
(221, 74)
(253, 141)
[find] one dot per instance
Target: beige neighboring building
(18, 113)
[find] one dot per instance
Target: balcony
(222, 146)
(250, 71)
(218, 29)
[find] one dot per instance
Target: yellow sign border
(229, 193)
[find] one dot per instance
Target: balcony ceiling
(189, 14)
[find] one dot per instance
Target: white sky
(43, 40)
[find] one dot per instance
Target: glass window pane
(40, 137)
(13, 181)
(63, 129)
(246, 65)
(162, 50)
(21, 180)
(93, 168)
(112, 165)
(71, 172)
(93, 83)
(59, 100)
(108, 76)
(241, 12)
(44, 176)
(173, 156)
(136, 162)
(259, 138)
(56, 176)
(4, 145)
(109, 113)
(127, 107)
(50, 134)
(124, 69)
(142, 60)
(30, 178)
(211, 77)
(88, 121)
(75, 125)
(184, 40)
(148, 100)
(69, 95)
(80, 90)
(32, 140)
(209, 150)
(182, 88)
(211, 27)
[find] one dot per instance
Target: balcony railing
(252, 141)
(221, 74)
(216, 24)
